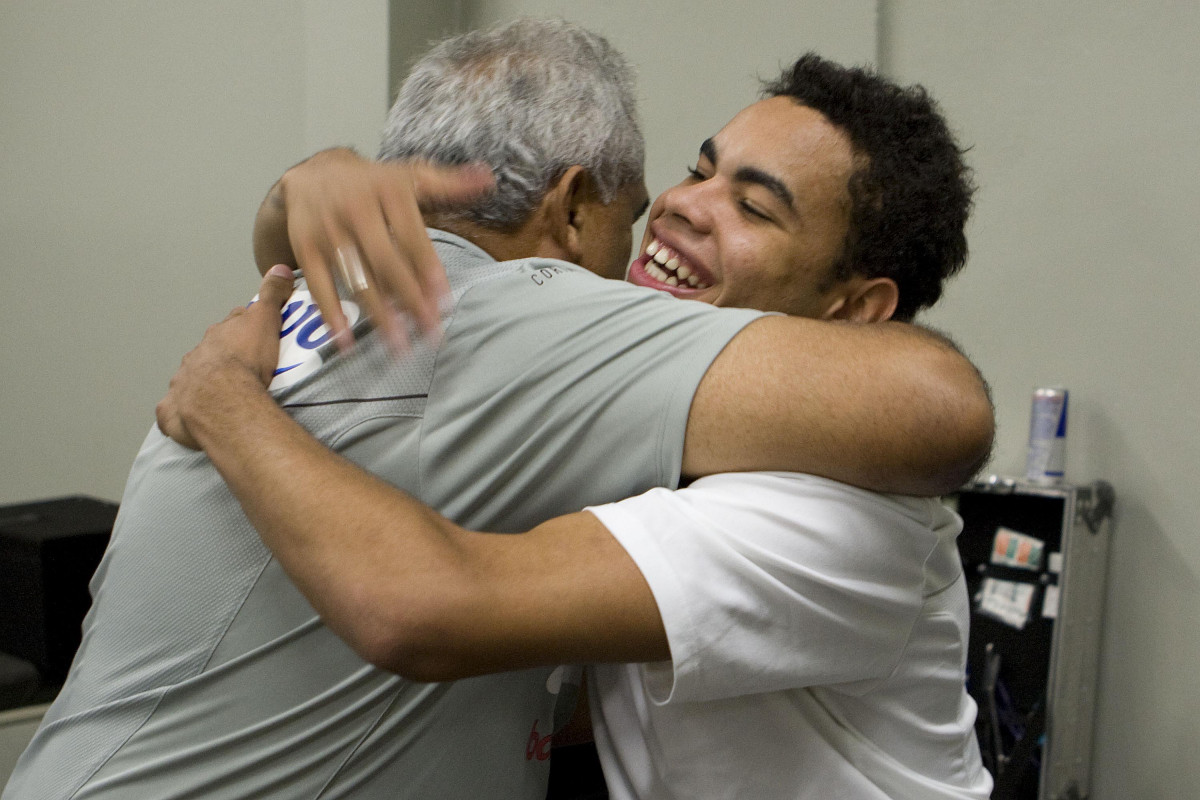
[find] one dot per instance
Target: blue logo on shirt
(302, 333)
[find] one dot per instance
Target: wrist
(223, 407)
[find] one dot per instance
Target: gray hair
(530, 98)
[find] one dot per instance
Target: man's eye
(695, 174)
(752, 211)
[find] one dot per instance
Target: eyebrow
(708, 149)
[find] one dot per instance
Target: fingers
(325, 295)
(377, 306)
(308, 233)
(324, 241)
(170, 421)
(276, 286)
(171, 425)
(414, 277)
(273, 293)
(372, 263)
(440, 188)
(406, 266)
(361, 222)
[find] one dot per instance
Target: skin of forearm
(407, 589)
(323, 517)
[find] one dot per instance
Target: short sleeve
(770, 581)
(547, 362)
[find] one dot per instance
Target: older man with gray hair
(548, 106)
(203, 671)
(553, 97)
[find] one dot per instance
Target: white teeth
(665, 266)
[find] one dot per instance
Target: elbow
(968, 426)
(413, 640)
(977, 430)
(410, 609)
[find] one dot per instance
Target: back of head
(530, 98)
(911, 190)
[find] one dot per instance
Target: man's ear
(562, 207)
(866, 300)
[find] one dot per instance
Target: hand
(361, 219)
(237, 355)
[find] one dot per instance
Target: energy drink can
(1047, 436)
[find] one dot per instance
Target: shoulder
(542, 294)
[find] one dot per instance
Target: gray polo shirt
(205, 673)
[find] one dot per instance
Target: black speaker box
(48, 553)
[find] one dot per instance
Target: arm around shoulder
(890, 407)
(412, 592)
(564, 592)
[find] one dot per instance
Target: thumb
(276, 287)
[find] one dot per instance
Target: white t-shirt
(818, 639)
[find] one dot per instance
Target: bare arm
(887, 406)
(406, 588)
(337, 207)
(415, 594)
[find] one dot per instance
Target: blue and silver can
(1047, 436)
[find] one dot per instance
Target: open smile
(662, 267)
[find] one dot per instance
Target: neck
(526, 241)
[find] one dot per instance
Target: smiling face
(762, 218)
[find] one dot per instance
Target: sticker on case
(1013, 549)
(1006, 601)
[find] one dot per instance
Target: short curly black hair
(911, 192)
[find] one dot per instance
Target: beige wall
(138, 138)
(413, 27)
(1085, 125)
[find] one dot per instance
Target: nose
(691, 202)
